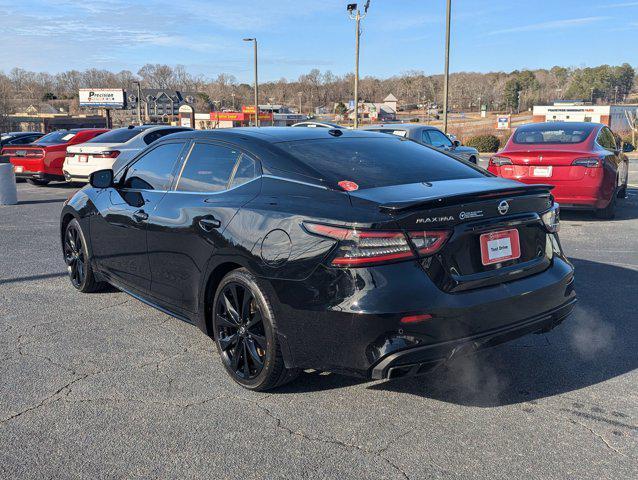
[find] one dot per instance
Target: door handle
(208, 223)
(140, 216)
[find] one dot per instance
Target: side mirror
(456, 143)
(101, 178)
(628, 147)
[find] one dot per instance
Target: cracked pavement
(103, 386)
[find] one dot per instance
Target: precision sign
(102, 97)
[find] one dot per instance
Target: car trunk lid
(475, 211)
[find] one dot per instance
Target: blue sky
(298, 35)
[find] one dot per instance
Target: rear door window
(377, 162)
(208, 168)
(157, 134)
(154, 170)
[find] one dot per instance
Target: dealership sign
(102, 97)
(503, 122)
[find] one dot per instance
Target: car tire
(609, 212)
(245, 332)
(622, 193)
(36, 182)
(78, 259)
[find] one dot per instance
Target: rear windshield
(552, 134)
(378, 162)
(119, 135)
(55, 138)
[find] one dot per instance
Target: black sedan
(297, 248)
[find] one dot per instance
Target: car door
(188, 225)
(118, 231)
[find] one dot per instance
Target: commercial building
(573, 111)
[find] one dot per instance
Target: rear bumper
(581, 187)
(419, 360)
(349, 321)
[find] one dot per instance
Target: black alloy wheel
(240, 331)
(77, 259)
(245, 331)
(74, 256)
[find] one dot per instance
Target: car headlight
(551, 218)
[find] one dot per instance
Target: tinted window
(245, 171)
(208, 168)
(606, 139)
(377, 162)
(425, 137)
(157, 134)
(119, 135)
(541, 133)
(22, 140)
(55, 138)
(439, 139)
(154, 171)
(398, 133)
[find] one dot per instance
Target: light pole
(592, 95)
(139, 103)
(446, 77)
(355, 14)
(254, 40)
(300, 95)
(616, 94)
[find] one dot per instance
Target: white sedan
(102, 151)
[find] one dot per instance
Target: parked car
(299, 248)
(41, 162)
(427, 135)
(18, 138)
(581, 160)
(120, 144)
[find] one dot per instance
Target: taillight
(551, 218)
(368, 247)
(106, 154)
(589, 162)
(498, 161)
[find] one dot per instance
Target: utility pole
(355, 14)
(446, 77)
(592, 95)
(300, 94)
(616, 94)
(254, 40)
(139, 103)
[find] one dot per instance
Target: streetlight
(446, 77)
(592, 95)
(254, 40)
(355, 14)
(615, 94)
(233, 95)
(139, 103)
(300, 95)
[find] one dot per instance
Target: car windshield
(563, 134)
(377, 162)
(119, 135)
(54, 138)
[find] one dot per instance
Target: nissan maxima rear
(353, 252)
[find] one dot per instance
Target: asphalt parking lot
(103, 386)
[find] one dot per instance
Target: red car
(41, 161)
(581, 160)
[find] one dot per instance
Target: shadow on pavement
(48, 200)
(625, 210)
(32, 278)
(598, 342)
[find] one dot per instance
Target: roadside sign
(503, 122)
(102, 97)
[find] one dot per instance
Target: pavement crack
(598, 435)
(279, 424)
(49, 399)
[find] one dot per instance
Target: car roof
(399, 126)
(560, 124)
(270, 134)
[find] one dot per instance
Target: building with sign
(573, 111)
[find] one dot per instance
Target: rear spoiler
(433, 202)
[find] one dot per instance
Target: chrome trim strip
(275, 177)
